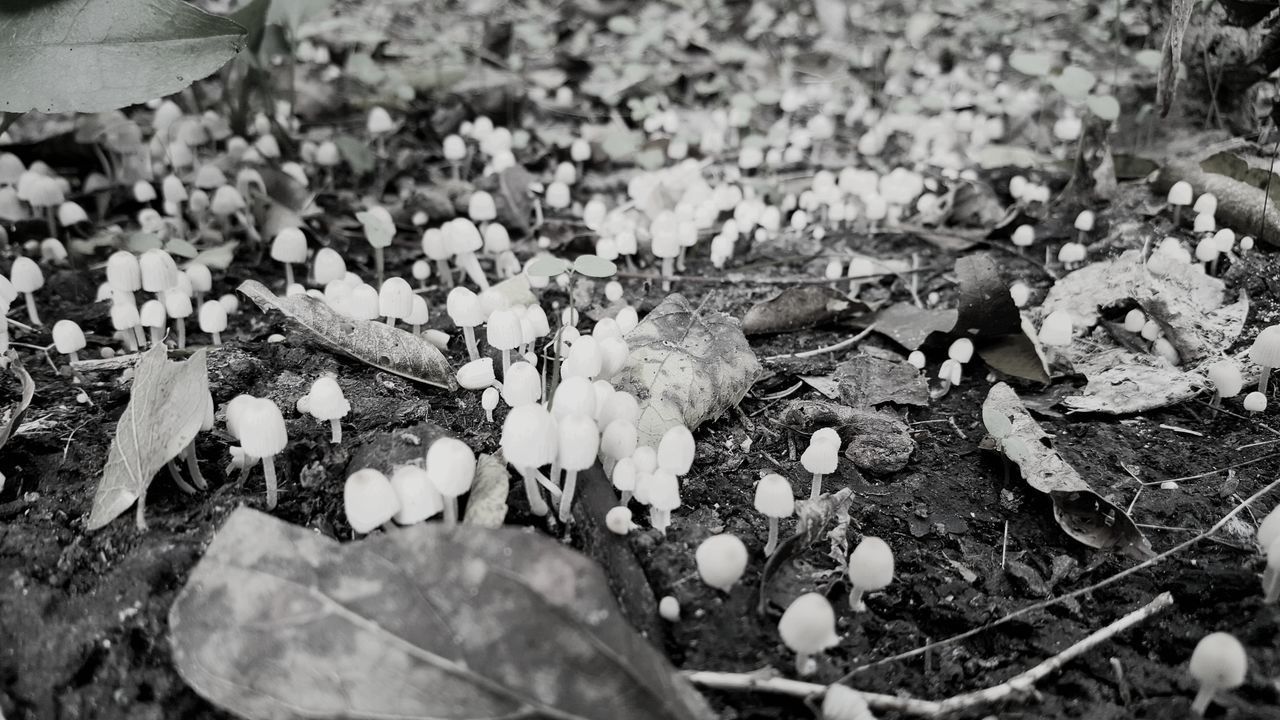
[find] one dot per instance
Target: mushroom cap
(45, 192)
(619, 520)
(809, 625)
(579, 441)
(721, 560)
(379, 121)
(961, 350)
(481, 208)
(489, 399)
(464, 307)
(123, 271)
(624, 475)
(395, 299)
(1269, 529)
(379, 226)
(70, 213)
(123, 315)
(421, 270)
(159, 271)
(1265, 350)
(1180, 193)
(1084, 221)
(774, 497)
(583, 359)
(821, 457)
(461, 236)
(328, 155)
(477, 374)
(289, 246)
(369, 499)
(263, 433)
(68, 337)
(11, 168)
(455, 148)
(152, 314)
(557, 196)
(1226, 378)
(1056, 329)
(451, 466)
(841, 702)
(237, 408)
(362, 303)
(871, 564)
(1219, 661)
(419, 312)
(646, 459)
(1204, 223)
(826, 434)
(496, 238)
(173, 189)
(503, 330)
(1207, 203)
(326, 399)
(529, 436)
(619, 439)
(676, 450)
(328, 266)
(521, 385)
(200, 277)
(419, 499)
(1255, 402)
(213, 317)
(663, 490)
(434, 245)
(226, 201)
(177, 304)
(1024, 236)
(25, 275)
(574, 396)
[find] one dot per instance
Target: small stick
(1020, 685)
(828, 349)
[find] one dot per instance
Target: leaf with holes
(373, 343)
(165, 410)
(685, 367)
(426, 622)
(1083, 514)
(88, 56)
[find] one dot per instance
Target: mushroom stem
(1177, 215)
(470, 335)
(1203, 698)
(626, 497)
(139, 517)
(139, 338)
(130, 343)
(336, 425)
(217, 338)
(772, 544)
(269, 470)
(156, 336)
(1270, 585)
(451, 512)
(193, 466)
(566, 500)
(555, 473)
(816, 491)
(668, 269)
(32, 315)
(855, 599)
(537, 505)
(805, 664)
(391, 321)
(288, 275)
(183, 485)
(1263, 376)
(506, 362)
(182, 333)
(680, 259)
(442, 269)
(378, 264)
(50, 214)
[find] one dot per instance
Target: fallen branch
(736, 279)
(126, 361)
(828, 349)
(1018, 686)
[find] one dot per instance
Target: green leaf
(547, 266)
(165, 410)
(92, 55)
(1105, 107)
(358, 154)
(291, 14)
(1027, 63)
(425, 622)
(594, 266)
(1074, 82)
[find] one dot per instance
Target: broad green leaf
(487, 499)
(685, 367)
(291, 14)
(547, 266)
(358, 154)
(1105, 107)
(1149, 59)
(594, 266)
(165, 410)
(1029, 63)
(218, 258)
(92, 55)
(373, 343)
(181, 248)
(428, 621)
(1074, 82)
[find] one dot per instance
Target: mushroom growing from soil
(1226, 379)
(177, 305)
(370, 500)
(466, 312)
(289, 247)
(820, 458)
(419, 499)
(1179, 197)
(1265, 352)
(68, 338)
(26, 278)
(774, 499)
(676, 450)
(579, 441)
(1218, 663)
(529, 441)
(395, 300)
(870, 569)
(1255, 402)
(379, 230)
(451, 466)
(326, 403)
(663, 496)
(261, 432)
(503, 333)
(213, 320)
(721, 560)
(807, 627)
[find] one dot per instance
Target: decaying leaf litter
(972, 543)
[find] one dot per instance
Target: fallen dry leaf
(1082, 513)
(866, 381)
(425, 622)
(876, 441)
(487, 499)
(373, 343)
(910, 326)
(798, 308)
(12, 414)
(685, 367)
(165, 410)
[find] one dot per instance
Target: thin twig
(1035, 607)
(1018, 686)
(735, 279)
(828, 349)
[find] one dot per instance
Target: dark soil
(83, 615)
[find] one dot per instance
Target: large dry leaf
(487, 500)
(798, 308)
(165, 410)
(987, 315)
(1083, 514)
(372, 343)
(910, 326)
(425, 622)
(685, 367)
(1123, 382)
(866, 381)
(12, 414)
(91, 55)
